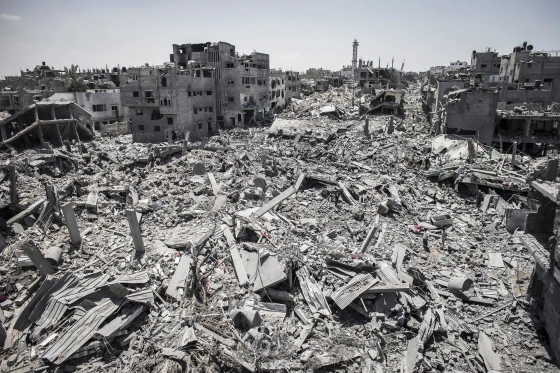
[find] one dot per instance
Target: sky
(296, 34)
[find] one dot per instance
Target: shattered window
(139, 112)
(156, 128)
(149, 93)
(135, 94)
(169, 120)
(141, 127)
(199, 125)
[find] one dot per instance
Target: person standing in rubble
(425, 240)
(443, 237)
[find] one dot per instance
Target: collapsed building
(327, 242)
(100, 94)
(338, 238)
(501, 101)
(46, 122)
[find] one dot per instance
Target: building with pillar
(43, 122)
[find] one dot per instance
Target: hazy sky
(296, 34)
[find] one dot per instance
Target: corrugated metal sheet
(59, 302)
(346, 294)
(133, 278)
(312, 294)
(458, 322)
(143, 296)
(387, 273)
(49, 302)
(120, 322)
(79, 333)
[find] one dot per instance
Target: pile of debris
(311, 245)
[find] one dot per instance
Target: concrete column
(513, 151)
(36, 114)
(41, 138)
(13, 181)
(75, 128)
(3, 133)
(526, 132)
(471, 151)
(366, 127)
(59, 135)
(53, 113)
(71, 223)
(135, 230)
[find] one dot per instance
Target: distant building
(485, 65)
(44, 83)
(458, 65)
(277, 82)
(314, 73)
(346, 73)
(293, 85)
(527, 67)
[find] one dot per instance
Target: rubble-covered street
(335, 239)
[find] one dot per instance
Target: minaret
(354, 53)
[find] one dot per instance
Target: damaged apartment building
(204, 87)
(99, 93)
(501, 101)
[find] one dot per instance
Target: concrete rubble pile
(334, 104)
(321, 243)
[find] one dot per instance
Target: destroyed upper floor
(218, 54)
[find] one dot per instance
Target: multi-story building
(525, 66)
(205, 87)
(277, 82)
(241, 81)
(165, 102)
(101, 98)
(104, 105)
(458, 65)
(347, 73)
(314, 73)
(485, 65)
(293, 85)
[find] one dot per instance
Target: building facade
(458, 65)
(277, 82)
(205, 87)
(485, 65)
(104, 105)
(293, 85)
(527, 67)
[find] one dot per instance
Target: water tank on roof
(529, 47)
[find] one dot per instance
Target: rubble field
(329, 241)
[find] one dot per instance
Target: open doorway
(248, 115)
